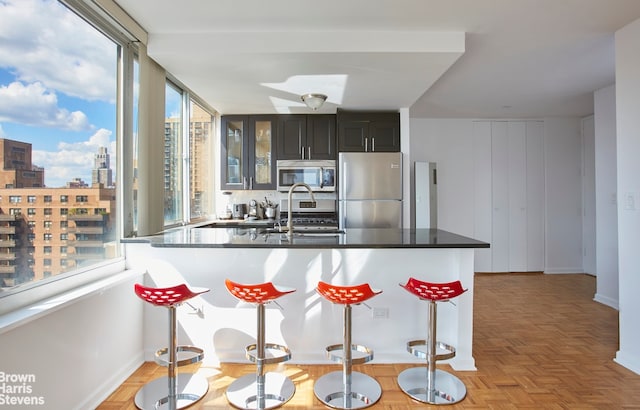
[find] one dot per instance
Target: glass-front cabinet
(248, 152)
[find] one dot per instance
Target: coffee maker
(253, 209)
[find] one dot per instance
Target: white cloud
(73, 160)
(43, 41)
(33, 105)
(2, 133)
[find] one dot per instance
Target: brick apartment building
(47, 231)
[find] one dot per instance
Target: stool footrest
(447, 388)
(368, 353)
(330, 390)
(190, 388)
(443, 350)
(251, 352)
(267, 392)
(185, 355)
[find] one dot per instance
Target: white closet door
(535, 196)
(516, 135)
(499, 197)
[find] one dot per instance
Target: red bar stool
(174, 391)
(347, 389)
(431, 385)
(262, 390)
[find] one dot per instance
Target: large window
(200, 144)
(187, 157)
(173, 148)
(69, 117)
(58, 105)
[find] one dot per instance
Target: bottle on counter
(228, 210)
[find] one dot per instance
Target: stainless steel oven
(320, 175)
(321, 217)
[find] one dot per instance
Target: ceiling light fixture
(314, 101)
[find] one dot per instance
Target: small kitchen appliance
(239, 211)
(253, 209)
(320, 175)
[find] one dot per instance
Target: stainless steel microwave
(320, 175)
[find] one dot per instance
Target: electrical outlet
(630, 201)
(380, 313)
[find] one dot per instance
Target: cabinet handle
(309, 152)
(366, 144)
(244, 182)
(373, 144)
(301, 152)
(251, 183)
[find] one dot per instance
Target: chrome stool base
(365, 391)
(448, 388)
(277, 389)
(190, 389)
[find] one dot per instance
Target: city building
(47, 231)
(16, 169)
(199, 151)
(101, 172)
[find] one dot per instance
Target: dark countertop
(248, 237)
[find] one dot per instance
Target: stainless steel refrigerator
(370, 190)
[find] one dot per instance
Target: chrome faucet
(290, 203)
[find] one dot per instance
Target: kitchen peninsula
(384, 258)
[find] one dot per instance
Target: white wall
(449, 143)
(588, 195)
(482, 195)
(461, 148)
(563, 184)
(628, 151)
(606, 197)
(80, 353)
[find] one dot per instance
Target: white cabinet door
(500, 197)
(535, 196)
(517, 196)
(516, 141)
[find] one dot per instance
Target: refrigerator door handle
(343, 181)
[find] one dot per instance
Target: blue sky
(57, 87)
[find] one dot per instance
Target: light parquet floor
(540, 342)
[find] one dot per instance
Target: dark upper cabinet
(306, 136)
(360, 131)
(248, 152)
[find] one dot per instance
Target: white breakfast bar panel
(307, 323)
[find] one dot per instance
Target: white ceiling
(441, 58)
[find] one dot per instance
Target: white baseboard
(111, 384)
(613, 303)
(631, 362)
(564, 270)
